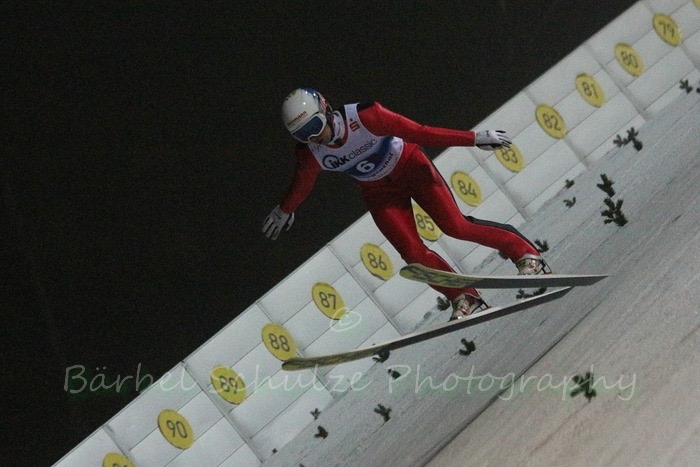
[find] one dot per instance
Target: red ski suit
(413, 177)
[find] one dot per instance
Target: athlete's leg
(392, 212)
(431, 192)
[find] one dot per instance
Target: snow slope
(510, 401)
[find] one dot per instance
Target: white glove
(276, 221)
(488, 140)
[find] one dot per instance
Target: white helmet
(305, 113)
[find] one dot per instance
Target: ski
(420, 273)
(304, 363)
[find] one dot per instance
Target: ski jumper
(380, 150)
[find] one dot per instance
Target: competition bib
(364, 156)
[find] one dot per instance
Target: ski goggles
(313, 127)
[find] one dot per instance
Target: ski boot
(465, 305)
(530, 265)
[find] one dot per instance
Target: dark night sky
(145, 149)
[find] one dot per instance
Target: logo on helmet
(296, 119)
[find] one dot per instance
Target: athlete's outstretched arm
(303, 181)
(382, 121)
(305, 173)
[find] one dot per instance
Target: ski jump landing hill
(606, 375)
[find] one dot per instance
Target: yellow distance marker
(667, 29)
(328, 300)
(550, 121)
(114, 459)
(279, 342)
(629, 59)
(466, 187)
(591, 91)
(376, 261)
(425, 225)
(511, 158)
(175, 429)
(228, 384)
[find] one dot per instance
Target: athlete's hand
(276, 221)
(488, 140)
